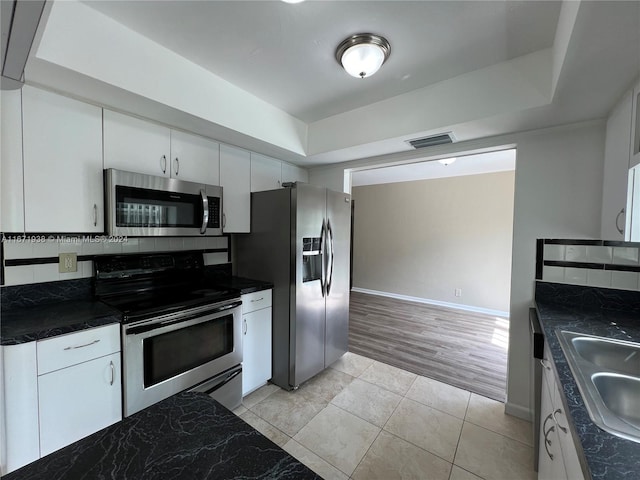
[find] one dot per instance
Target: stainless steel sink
(607, 372)
(608, 354)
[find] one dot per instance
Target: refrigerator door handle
(323, 273)
(330, 259)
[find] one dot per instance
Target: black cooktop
(144, 286)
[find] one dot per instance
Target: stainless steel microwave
(140, 205)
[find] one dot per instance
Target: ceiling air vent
(431, 140)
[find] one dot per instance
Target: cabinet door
(569, 452)
(550, 462)
(266, 173)
(256, 350)
(235, 179)
(194, 158)
(634, 158)
(20, 415)
(134, 145)
(293, 173)
(62, 141)
(12, 186)
(77, 401)
(616, 168)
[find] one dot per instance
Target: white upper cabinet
(235, 179)
(635, 128)
(266, 173)
(11, 186)
(616, 169)
(293, 173)
(194, 158)
(62, 149)
(134, 145)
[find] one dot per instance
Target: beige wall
(427, 238)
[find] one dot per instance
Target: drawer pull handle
(564, 429)
(82, 346)
(113, 373)
(257, 299)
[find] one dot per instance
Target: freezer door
(338, 261)
(308, 313)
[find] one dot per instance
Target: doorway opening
(432, 268)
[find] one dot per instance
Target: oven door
(169, 354)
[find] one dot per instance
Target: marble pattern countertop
(607, 456)
(27, 324)
(187, 436)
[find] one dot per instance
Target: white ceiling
(262, 74)
(284, 53)
(500, 161)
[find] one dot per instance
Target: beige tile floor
(361, 419)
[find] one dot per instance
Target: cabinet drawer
(74, 348)
(256, 301)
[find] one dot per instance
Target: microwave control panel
(214, 212)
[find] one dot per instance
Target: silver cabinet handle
(620, 229)
(245, 325)
(257, 299)
(113, 373)
(82, 346)
(205, 212)
(177, 165)
(547, 442)
(163, 163)
(544, 364)
(95, 215)
(564, 429)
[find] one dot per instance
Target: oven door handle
(223, 383)
(156, 325)
(205, 211)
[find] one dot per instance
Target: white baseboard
(468, 308)
(518, 411)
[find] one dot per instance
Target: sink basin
(621, 395)
(608, 354)
(607, 372)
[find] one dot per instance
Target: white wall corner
(564, 31)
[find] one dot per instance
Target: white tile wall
(599, 278)
(554, 252)
(625, 280)
(593, 254)
(625, 256)
(43, 248)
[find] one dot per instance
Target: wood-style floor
(464, 349)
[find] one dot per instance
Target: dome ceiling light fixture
(363, 54)
(447, 161)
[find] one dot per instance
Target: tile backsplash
(597, 263)
(34, 259)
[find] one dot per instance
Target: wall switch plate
(458, 292)
(67, 262)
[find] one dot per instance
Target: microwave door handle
(205, 211)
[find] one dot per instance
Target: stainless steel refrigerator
(300, 242)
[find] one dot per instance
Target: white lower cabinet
(558, 455)
(256, 340)
(59, 390)
(77, 401)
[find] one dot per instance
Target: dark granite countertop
(27, 324)
(187, 436)
(607, 456)
(243, 285)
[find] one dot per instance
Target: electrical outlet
(458, 292)
(68, 262)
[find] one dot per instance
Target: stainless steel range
(177, 333)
